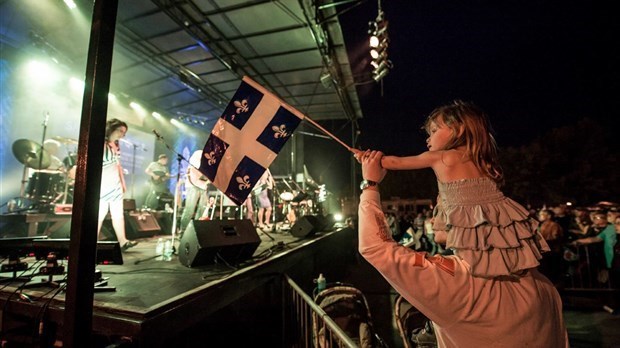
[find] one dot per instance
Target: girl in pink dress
(489, 293)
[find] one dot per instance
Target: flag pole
(328, 133)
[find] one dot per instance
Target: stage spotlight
(378, 43)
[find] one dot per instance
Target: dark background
(537, 68)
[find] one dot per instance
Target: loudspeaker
(307, 225)
(141, 225)
(129, 204)
(230, 240)
(165, 221)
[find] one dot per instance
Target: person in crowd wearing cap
(158, 178)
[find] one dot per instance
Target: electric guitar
(259, 188)
(197, 179)
(163, 176)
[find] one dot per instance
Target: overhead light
(378, 43)
(70, 4)
(382, 67)
(326, 80)
(376, 52)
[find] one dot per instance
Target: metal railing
(587, 272)
(306, 324)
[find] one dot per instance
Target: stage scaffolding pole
(78, 313)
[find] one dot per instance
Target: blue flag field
(246, 139)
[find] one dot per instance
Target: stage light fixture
(378, 43)
(70, 4)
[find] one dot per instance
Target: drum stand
(22, 190)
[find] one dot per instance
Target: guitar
(259, 188)
(197, 179)
(163, 176)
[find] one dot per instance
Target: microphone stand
(176, 193)
(40, 154)
(133, 163)
(175, 204)
(273, 206)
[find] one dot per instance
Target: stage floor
(164, 303)
(152, 301)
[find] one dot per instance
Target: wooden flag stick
(328, 133)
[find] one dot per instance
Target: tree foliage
(570, 164)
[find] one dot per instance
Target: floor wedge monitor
(308, 225)
(207, 241)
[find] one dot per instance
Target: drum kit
(49, 182)
(295, 201)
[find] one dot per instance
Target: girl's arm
(424, 160)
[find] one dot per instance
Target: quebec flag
(246, 139)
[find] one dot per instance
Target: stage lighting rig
(378, 43)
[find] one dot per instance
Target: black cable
(39, 325)
(21, 287)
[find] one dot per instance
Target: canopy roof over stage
(186, 58)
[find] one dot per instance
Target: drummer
(52, 147)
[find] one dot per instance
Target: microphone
(157, 134)
(126, 142)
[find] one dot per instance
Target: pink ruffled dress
(492, 233)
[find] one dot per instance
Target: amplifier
(141, 225)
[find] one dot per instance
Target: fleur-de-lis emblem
(210, 158)
(244, 183)
(280, 131)
(242, 106)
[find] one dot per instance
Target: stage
(156, 303)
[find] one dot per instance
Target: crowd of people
(568, 231)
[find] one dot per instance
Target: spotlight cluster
(379, 40)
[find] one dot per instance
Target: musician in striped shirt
(113, 183)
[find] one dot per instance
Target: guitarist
(196, 197)
(158, 177)
(263, 186)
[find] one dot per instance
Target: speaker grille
(307, 225)
(204, 242)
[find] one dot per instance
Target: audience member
(600, 231)
(489, 293)
(551, 264)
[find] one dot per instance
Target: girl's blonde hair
(471, 128)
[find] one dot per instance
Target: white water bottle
(168, 250)
(321, 283)
(159, 249)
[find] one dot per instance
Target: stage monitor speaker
(141, 225)
(129, 204)
(230, 240)
(307, 225)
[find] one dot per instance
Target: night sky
(532, 66)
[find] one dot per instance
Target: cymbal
(65, 140)
(31, 154)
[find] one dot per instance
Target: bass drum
(44, 185)
(287, 196)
